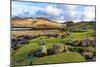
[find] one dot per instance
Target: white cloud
(77, 20)
(52, 10)
(89, 13)
(72, 13)
(72, 7)
(19, 8)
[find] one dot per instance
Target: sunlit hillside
(40, 22)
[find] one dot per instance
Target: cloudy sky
(52, 11)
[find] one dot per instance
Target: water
(15, 29)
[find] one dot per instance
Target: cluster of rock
(88, 54)
(89, 42)
(21, 40)
(85, 42)
(56, 48)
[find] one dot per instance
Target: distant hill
(80, 26)
(37, 22)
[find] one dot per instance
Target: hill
(37, 22)
(80, 26)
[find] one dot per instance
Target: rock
(27, 37)
(65, 48)
(40, 52)
(13, 40)
(93, 42)
(77, 43)
(58, 48)
(89, 42)
(87, 55)
(14, 45)
(55, 35)
(25, 42)
(69, 43)
(85, 42)
(50, 51)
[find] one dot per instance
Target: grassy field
(60, 58)
(69, 56)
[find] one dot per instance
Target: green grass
(24, 51)
(60, 58)
(91, 49)
(49, 40)
(82, 35)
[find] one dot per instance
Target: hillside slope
(38, 22)
(80, 26)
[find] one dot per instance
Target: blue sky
(52, 11)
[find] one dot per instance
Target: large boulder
(58, 48)
(40, 52)
(88, 55)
